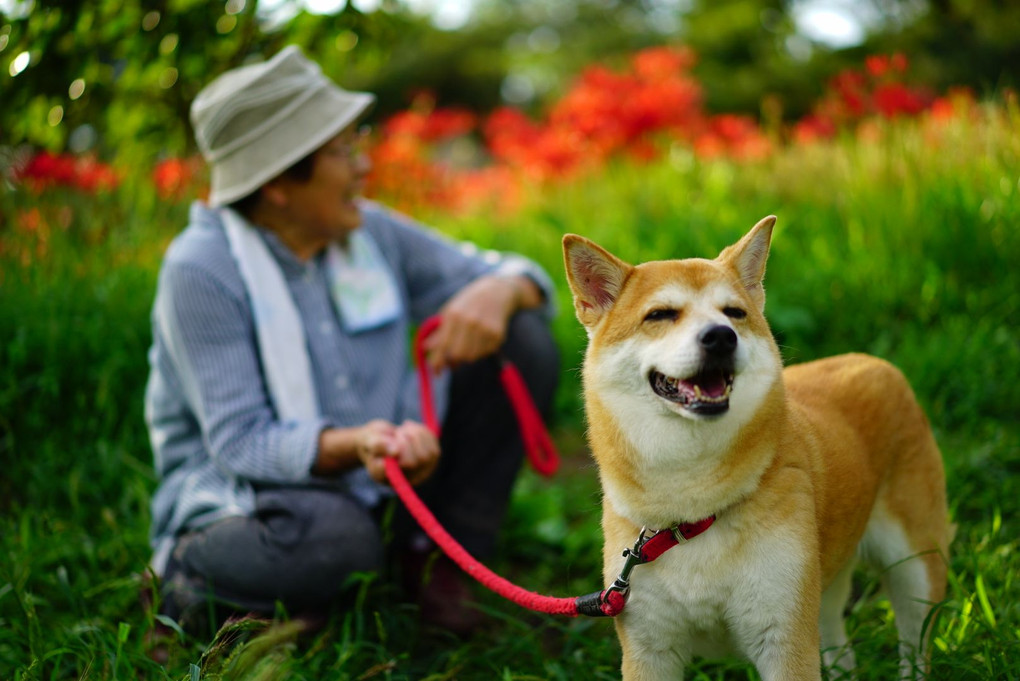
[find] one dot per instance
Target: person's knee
(339, 539)
(531, 346)
(343, 536)
(355, 545)
(529, 334)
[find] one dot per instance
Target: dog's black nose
(718, 340)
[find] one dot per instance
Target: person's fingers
(461, 339)
(376, 440)
(420, 450)
(421, 440)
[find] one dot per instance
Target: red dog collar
(610, 601)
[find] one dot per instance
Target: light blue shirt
(211, 422)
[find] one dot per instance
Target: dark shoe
(158, 642)
(442, 591)
(188, 601)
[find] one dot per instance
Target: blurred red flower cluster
(175, 178)
(405, 156)
(856, 95)
(455, 160)
(604, 114)
(46, 170)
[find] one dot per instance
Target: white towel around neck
(361, 285)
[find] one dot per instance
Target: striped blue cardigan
(211, 422)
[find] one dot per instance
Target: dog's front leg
(643, 663)
(797, 661)
(787, 649)
(775, 617)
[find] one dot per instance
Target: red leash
(539, 447)
(543, 456)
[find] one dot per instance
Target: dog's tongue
(709, 384)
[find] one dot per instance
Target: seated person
(280, 374)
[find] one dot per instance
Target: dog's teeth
(702, 397)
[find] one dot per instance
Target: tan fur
(810, 468)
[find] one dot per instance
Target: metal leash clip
(610, 601)
(631, 558)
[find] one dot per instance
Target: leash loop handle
(541, 452)
(428, 406)
(539, 446)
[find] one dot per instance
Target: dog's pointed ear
(748, 257)
(595, 276)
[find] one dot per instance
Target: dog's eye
(734, 312)
(662, 314)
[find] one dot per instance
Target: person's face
(322, 209)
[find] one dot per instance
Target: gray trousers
(301, 544)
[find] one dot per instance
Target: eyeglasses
(353, 145)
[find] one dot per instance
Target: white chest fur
(720, 594)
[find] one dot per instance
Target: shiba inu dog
(691, 415)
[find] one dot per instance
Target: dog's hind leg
(913, 580)
(907, 537)
(837, 655)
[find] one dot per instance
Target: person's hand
(474, 321)
(412, 444)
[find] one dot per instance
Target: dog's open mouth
(706, 393)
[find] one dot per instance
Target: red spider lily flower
(493, 188)
(708, 146)
(605, 113)
(430, 125)
(94, 176)
(741, 136)
(175, 178)
(169, 176)
(642, 150)
(602, 114)
(403, 173)
(446, 123)
(670, 105)
(851, 89)
(957, 102)
(854, 96)
(508, 134)
(812, 128)
(404, 124)
(732, 136)
(589, 107)
(895, 99)
(29, 221)
(46, 170)
(877, 65)
(516, 141)
(404, 161)
(656, 63)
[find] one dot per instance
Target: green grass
(905, 247)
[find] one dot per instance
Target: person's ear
(275, 194)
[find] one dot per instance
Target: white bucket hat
(255, 121)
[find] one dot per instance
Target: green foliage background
(903, 246)
(143, 61)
